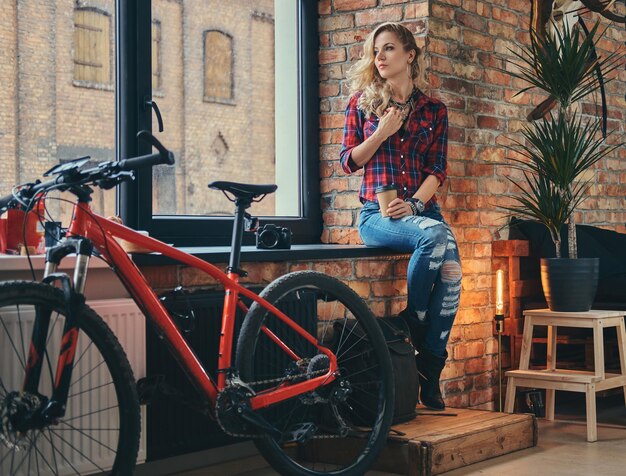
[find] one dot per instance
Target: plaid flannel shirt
(403, 159)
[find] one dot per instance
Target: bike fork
(73, 292)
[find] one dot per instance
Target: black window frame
(134, 82)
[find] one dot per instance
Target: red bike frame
(103, 233)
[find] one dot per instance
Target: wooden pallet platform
(434, 443)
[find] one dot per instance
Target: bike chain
(262, 382)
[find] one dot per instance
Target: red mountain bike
(68, 399)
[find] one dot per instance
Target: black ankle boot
(429, 367)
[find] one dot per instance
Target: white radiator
(78, 453)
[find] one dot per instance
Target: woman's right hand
(389, 123)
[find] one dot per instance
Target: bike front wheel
(341, 427)
(99, 432)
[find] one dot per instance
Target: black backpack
(398, 338)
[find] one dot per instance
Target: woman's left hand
(398, 208)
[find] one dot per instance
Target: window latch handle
(149, 103)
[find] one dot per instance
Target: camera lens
(268, 238)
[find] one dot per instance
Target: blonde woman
(398, 135)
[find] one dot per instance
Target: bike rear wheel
(100, 429)
(331, 415)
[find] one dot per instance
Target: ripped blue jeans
(434, 271)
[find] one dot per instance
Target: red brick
(334, 218)
(454, 387)
(334, 184)
(389, 288)
(466, 350)
(461, 152)
(336, 22)
(478, 105)
(519, 5)
(338, 269)
(478, 330)
(329, 89)
(478, 365)
(347, 200)
(496, 77)
(457, 401)
(263, 273)
(379, 15)
(475, 298)
(442, 11)
(355, 52)
(471, 21)
(478, 40)
(331, 121)
(416, 10)
(501, 30)
(190, 277)
(459, 185)
(460, 86)
(350, 36)
(344, 236)
(437, 46)
(334, 55)
(345, 5)
(374, 269)
(362, 288)
(490, 122)
(456, 134)
(323, 7)
(299, 267)
(453, 370)
(505, 16)
(479, 397)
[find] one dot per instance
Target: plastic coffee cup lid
(384, 188)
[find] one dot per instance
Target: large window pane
(228, 95)
(57, 94)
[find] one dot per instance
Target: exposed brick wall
(466, 42)
(380, 281)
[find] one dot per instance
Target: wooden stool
(552, 378)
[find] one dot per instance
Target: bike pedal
(300, 433)
(148, 387)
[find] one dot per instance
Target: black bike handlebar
(109, 172)
(5, 201)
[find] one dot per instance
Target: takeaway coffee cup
(385, 195)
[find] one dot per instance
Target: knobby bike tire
(253, 350)
(95, 416)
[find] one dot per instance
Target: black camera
(272, 237)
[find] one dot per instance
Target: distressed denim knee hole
(451, 272)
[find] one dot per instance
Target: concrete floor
(562, 450)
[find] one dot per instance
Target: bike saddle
(243, 190)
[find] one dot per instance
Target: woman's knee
(435, 234)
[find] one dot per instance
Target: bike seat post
(235, 248)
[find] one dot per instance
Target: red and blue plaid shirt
(405, 158)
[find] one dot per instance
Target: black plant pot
(570, 285)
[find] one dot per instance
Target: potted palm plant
(558, 147)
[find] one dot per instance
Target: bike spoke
(84, 375)
(83, 354)
(19, 319)
(71, 395)
(91, 413)
(3, 388)
(17, 353)
(63, 457)
(27, 455)
(45, 460)
(72, 427)
(79, 452)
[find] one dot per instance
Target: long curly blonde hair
(364, 76)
